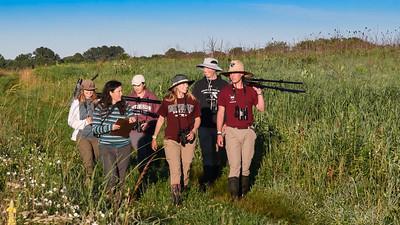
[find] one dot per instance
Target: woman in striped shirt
(114, 150)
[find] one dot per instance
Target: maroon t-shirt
(230, 98)
(147, 107)
(179, 116)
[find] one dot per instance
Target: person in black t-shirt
(206, 92)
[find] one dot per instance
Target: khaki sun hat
(236, 66)
(88, 85)
(210, 63)
(179, 79)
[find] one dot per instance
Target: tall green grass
(330, 156)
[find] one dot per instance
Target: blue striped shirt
(104, 128)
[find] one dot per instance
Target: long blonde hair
(172, 97)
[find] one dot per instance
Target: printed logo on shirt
(143, 107)
(181, 109)
(232, 99)
(213, 93)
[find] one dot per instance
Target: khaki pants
(178, 155)
(89, 151)
(240, 150)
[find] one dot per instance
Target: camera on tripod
(241, 113)
(182, 136)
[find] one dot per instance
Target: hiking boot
(176, 194)
(233, 186)
(245, 185)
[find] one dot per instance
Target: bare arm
(220, 123)
(260, 100)
(193, 132)
(159, 124)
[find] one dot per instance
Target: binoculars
(241, 113)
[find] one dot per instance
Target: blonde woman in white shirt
(80, 118)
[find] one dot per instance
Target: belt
(243, 128)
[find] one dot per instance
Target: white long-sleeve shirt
(74, 120)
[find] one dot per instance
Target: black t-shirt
(206, 92)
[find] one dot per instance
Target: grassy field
(330, 156)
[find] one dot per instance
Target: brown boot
(176, 194)
(245, 185)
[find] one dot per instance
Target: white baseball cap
(137, 79)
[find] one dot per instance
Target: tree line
(44, 56)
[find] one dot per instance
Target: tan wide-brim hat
(236, 66)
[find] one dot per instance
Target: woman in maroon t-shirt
(182, 111)
(146, 122)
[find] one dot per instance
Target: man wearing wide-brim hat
(235, 109)
(206, 91)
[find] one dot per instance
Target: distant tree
(156, 56)
(45, 56)
(173, 53)
(197, 54)
(76, 58)
(23, 61)
(3, 62)
(277, 46)
(104, 53)
(236, 51)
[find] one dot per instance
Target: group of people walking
(220, 113)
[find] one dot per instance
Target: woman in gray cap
(80, 118)
(182, 112)
(206, 92)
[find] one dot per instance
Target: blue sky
(151, 27)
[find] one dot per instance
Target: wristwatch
(219, 132)
(154, 137)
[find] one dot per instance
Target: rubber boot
(233, 186)
(245, 185)
(176, 194)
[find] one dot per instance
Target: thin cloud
(325, 14)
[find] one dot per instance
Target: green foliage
(104, 53)
(330, 156)
(3, 62)
(76, 58)
(23, 61)
(45, 56)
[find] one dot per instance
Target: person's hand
(115, 127)
(154, 144)
(143, 126)
(258, 90)
(223, 128)
(220, 140)
(190, 136)
(89, 120)
(132, 119)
